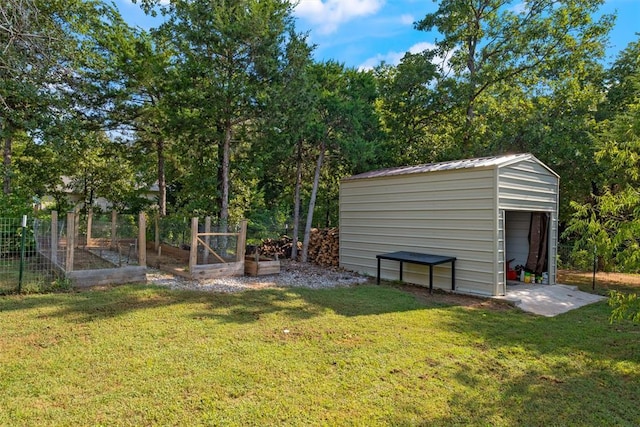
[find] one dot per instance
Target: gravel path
(291, 274)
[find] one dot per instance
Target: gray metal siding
(445, 213)
(500, 283)
(527, 185)
(454, 209)
(553, 249)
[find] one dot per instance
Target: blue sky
(361, 33)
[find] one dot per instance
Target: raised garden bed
(261, 266)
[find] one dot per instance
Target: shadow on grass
(554, 395)
(243, 307)
(581, 351)
(573, 369)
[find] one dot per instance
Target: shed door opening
(526, 240)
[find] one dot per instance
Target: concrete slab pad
(548, 300)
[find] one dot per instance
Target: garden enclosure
(94, 249)
(37, 254)
(197, 249)
(91, 249)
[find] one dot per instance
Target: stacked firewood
(277, 248)
(324, 247)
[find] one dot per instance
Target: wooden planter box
(261, 267)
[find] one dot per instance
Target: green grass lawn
(365, 355)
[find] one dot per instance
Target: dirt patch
(606, 281)
(442, 297)
(85, 260)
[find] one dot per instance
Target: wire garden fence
(49, 253)
(22, 267)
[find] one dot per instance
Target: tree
(344, 125)
(411, 109)
(144, 100)
(226, 53)
(611, 220)
(28, 41)
(293, 100)
(45, 72)
(625, 306)
(498, 42)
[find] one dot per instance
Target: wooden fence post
(89, 225)
(54, 237)
(76, 228)
(114, 230)
(242, 241)
(193, 253)
(207, 239)
(156, 245)
(142, 240)
(71, 243)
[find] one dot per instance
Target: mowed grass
(365, 355)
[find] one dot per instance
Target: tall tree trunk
(8, 141)
(226, 155)
(296, 202)
(312, 203)
(162, 183)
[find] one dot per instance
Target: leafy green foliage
(611, 220)
(491, 45)
(625, 306)
(15, 205)
(225, 108)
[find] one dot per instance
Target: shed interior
(526, 242)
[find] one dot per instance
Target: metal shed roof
(479, 162)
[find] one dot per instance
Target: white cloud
(407, 19)
(393, 58)
(422, 46)
(328, 15)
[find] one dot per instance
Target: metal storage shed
(482, 211)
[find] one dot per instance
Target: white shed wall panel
(527, 185)
(517, 230)
(553, 249)
(448, 213)
(501, 280)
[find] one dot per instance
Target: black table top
(416, 258)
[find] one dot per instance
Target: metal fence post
(54, 237)
(22, 244)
